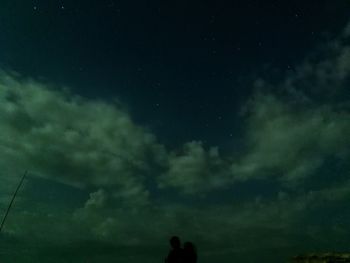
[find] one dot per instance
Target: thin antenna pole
(12, 200)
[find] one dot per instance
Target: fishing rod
(12, 200)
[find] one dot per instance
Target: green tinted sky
(224, 122)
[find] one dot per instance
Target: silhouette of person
(189, 253)
(176, 253)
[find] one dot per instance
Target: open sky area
(224, 122)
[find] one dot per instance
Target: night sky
(224, 122)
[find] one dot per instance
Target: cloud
(194, 169)
(86, 143)
(296, 126)
(291, 129)
(324, 75)
(285, 140)
(97, 199)
(288, 141)
(281, 222)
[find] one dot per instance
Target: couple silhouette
(177, 254)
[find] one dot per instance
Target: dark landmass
(322, 258)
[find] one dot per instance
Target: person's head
(175, 242)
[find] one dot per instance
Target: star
(35, 8)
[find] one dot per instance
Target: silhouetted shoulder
(176, 256)
(189, 253)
